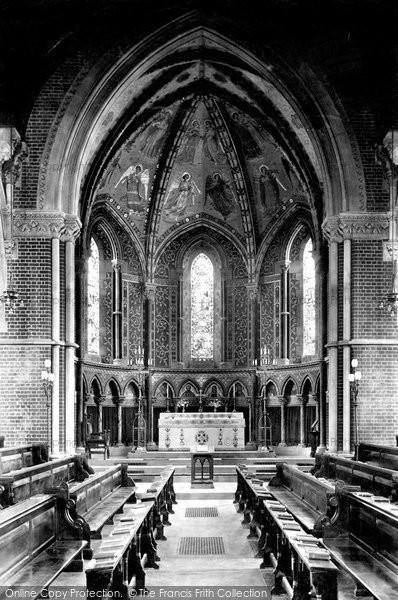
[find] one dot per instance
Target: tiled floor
(237, 567)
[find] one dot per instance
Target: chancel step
(146, 465)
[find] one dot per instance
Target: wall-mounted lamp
(354, 378)
(48, 382)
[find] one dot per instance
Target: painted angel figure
(269, 184)
(181, 194)
(212, 146)
(189, 150)
(137, 180)
(155, 133)
(220, 192)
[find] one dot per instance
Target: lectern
(202, 467)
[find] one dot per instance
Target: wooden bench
(294, 571)
(98, 443)
(121, 556)
(382, 456)
(161, 493)
(12, 459)
(96, 501)
(32, 551)
(370, 477)
(313, 502)
(365, 543)
(25, 482)
(301, 561)
(361, 534)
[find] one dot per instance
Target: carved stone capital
(150, 291)
(46, 224)
(282, 400)
(116, 264)
(252, 291)
(350, 226)
(71, 229)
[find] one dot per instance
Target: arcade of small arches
(288, 414)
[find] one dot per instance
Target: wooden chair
(98, 443)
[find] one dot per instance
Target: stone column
(332, 344)
(346, 348)
(319, 448)
(117, 312)
(320, 339)
(70, 345)
(150, 443)
(282, 401)
(81, 339)
(150, 294)
(56, 335)
(99, 402)
(119, 401)
(251, 444)
(180, 315)
(285, 313)
(303, 402)
(252, 293)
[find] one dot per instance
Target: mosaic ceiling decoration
(220, 165)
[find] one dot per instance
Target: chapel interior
(199, 296)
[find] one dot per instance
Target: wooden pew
(12, 459)
(299, 558)
(370, 477)
(25, 482)
(161, 492)
(121, 555)
(361, 535)
(32, 550)
(313, 502)
(365, 543)
(280, 545)
(96, 501)
(382, 456)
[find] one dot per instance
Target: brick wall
(378, 408)
(371, 278)
(377, 396)
(23, 412)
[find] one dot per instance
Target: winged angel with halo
(181, 195)
(136, 179)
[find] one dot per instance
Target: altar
(183, 431)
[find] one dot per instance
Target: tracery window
(93, 311)
(202, 313)
(308, 301)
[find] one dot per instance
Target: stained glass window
(308, 301)
(202, 320)
(93, 299)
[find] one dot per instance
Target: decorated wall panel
(241, 326)
(295, 318)
(106, 319)
(132, 320)
(267, 320)
(162, 326)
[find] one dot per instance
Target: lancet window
(93, 299)
(202, 308)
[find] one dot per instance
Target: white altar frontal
(184, 431)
